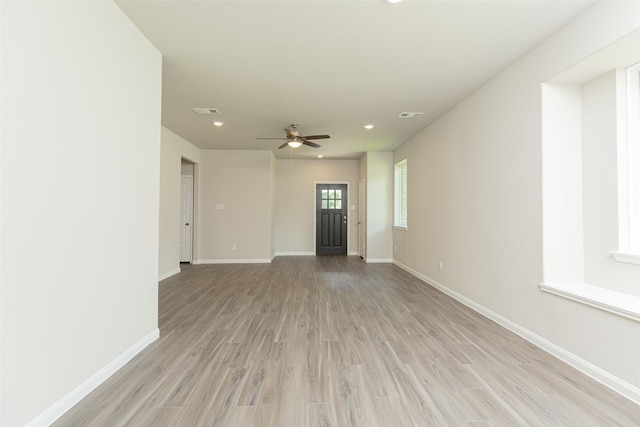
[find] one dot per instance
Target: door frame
(194, 214)
(362, 218)
(315, 184)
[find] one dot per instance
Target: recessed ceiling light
(319, 156)
(369, 126)
(393, 1)
(218, 123)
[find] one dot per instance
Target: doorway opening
(187, 217)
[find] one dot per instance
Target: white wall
(562, 217)
(475, 203)
(295, 201)
(379, 212)
(362, 175)
(240, 182)
(80, 185)
(273, 191)
(1, 210)
(174, 149)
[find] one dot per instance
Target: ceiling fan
(295, 139)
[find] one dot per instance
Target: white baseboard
(308, 254)
(295, 253)
(54, 412)
(168, 274)
(233, 261)
(620, 386)
(378, 260)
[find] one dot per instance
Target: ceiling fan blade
(310, 144)
(272, 138)
(317, 137)
(283, 145)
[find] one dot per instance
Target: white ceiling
(331, 66)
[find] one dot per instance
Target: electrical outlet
(234, 247)
(440, 265)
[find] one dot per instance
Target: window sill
(626, 257)
(399, 227)
(614, 302)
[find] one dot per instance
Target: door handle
(186, 224)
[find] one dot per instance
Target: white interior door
(186, 218)
(361, 217)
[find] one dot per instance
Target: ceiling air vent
(208, 110)
(410, 115)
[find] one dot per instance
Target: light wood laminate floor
(333, 341)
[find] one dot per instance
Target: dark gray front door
(331, 219)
